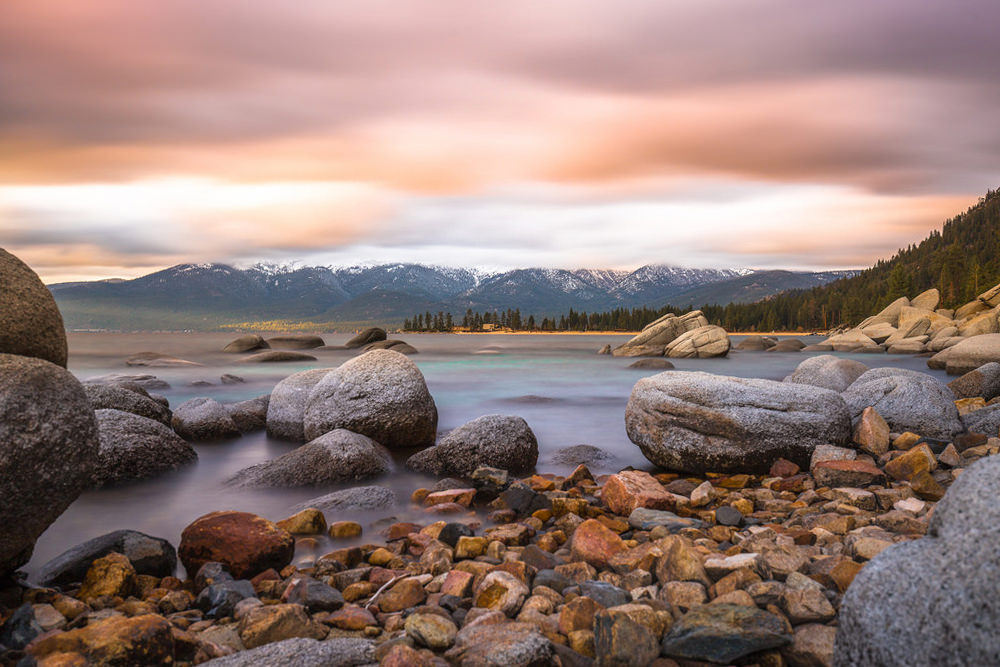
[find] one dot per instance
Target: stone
(246, 344)
(807, 605)
(652, 363)
(702, 343)
(111, 575)
(431, 630)
(337, 456)
(135, 448)
(286, 409)
(309, 521)
(296, 342)
(846, 473)
(871, 433)
(144, 382)
(595, 543)
(501, 591)
(647, 519)
(654, 338)
(366, 337)
(906, 400)
(502, 644)
(312, 594)
(276, 356)
(249, 415)
(908, 465)
(624, 636)
(392, 344)
(983, 382)
(985, 421)
(827, 372)
(149, 555)
(403, 595)
(245, 543)
(578, 614)
(629, 489)
(879, 332)
(851, 341)
(756, 343)
(345, 530)
(380, 394)
(605, 349)
(117, 397)
(723, 633)
(679, 562)
(728, 516)
(358, 498)
(218, 600)
(203, 419)
(30, 322)
(48, 449)
(272, 623)
(699, 422)
(576, 455)
(302, 652)
(962, 604)
(812, 646)
(927, 300)
(158, 360)
(496, 441)
(20, 628)
(117, 640)
(972, 353)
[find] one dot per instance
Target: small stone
(728, 516)
(916, 460)
(843, 574)
(595, 544)
(313, 595)
(702, 494)
(578, 614)
(914, 505)
(905, 440)
(403, 595)
(309, 521)
(967, 405)
(272, 623)
(812, 646)
(461, 497)
(21, 628)
(501, 591)
(871, 433)
(846, 473)
(351, 618)
(950, 457)
(116, 640)
(926, 487)
(457, 583)
(344, 530)
(470, 547)
(619, 639)
(431, 630)
(720, 567)
(112, 575)
(647, 519)
(783, 468)
(806, 606)
(629, 489)
(684, 595)
(724, 633)
(867, 548)
(856, 497)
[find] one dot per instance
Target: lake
(566, 392)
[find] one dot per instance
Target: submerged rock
(276, 356)
(496, 441)
(701, 343)
(363, 498)
(652, 363)
(48, 451)
(722, 633)
(698, 422)
(247, 343)
(392, 344)
(204, 419)
(249, 415)
(366, 337)
(286, 409)
(296, 342)
(158, 360)
(654, 338)
(30, 322)
(116, 397)
(135, 448)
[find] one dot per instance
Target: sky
(136, 135)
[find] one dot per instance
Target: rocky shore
(845, 515)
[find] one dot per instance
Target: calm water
(566, 392)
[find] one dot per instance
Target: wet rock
(48, 450)
(985, 421)
(723, 633)
(575, 455)
(111, 575)
(871, 433)
(313, 595)
(502, 644)
(846, 473)
(30, 322)
(812, 646)
(606, 349)
(654, 338)
(907, 400)
(219, 600)
(971, 353)
(381, 394)
(246, 344)
(302, 652)
(827, 372)
(652, 363)
(277, 356)
(403, 595)
(501, 591)
(701, 343)
(309, 521)
(623, 641)
(366, 337)
(604, 594)
(494, 440)
(296, 342)
(149, 555)
(359, 498)
(158, 360)
(983, 381)
(699, 422)
(757, 343)
(249, 415)
(647, 519)
(116, 397)
(890, 617)
(245, 543)
(629, 489)
(203, 419)
(287, 406)
(117, 640)
(431, 630)
(392, 344)
(20, 629)
(274, 623)
(595, 543)
(333, 457)
(145, 382)
(135, 448)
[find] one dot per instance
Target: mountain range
(208, 296)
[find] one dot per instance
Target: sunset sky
(135, 135)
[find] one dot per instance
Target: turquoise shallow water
(568, 394)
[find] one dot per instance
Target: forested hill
(962, 260)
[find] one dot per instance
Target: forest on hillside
(962, 260)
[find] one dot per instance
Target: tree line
(961, 260)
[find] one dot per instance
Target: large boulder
(907, 400)
(757, 343)
(204, 419)
(985, 420)
(984, 382)
(392, 344)
(701, 343)
(981, 324)
(927, 300)
(246, 344)
(244, 543)
(30, 322)
(891, 312)
(296, 342)
(698, 422)
(879, 332)
(851, 341)
(381, 394)
(48, 451)
(933, 601)
(828, 372)
(249, 415)
(366, 337)
(116, 397)
(496, 441)
(355, 499)
(135, 448)
(655, 337)
(333, 457)
(149, 555)
(287, 406)
(991, 297)
(970, 354)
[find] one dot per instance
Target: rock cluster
(687, 336)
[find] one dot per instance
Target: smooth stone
(246, 344)
(366, 337)
(203, 419)
(652, 363)
(497, 441)
(116, 397)
(828, 372)
(276, 356)
(244, 543)
(249, 415)
(359, 498)
(296, 342)
(304, 652)
(906, 400)
(30, 322)
(134, 448)
(723, 633)
(286, 409)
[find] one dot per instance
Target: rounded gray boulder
(366, 337)
(118, 397)
(699, 422)
(204, 419)
(933, 601)
(355, 499)
(48, 451)
(287, 406)
(30, 322)
(336, 456)
(249, 415)
(381, 394)
(828, 372)
(135, 448)
(296, 342)
(246, 344)
(907, 400)
(496, 441)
